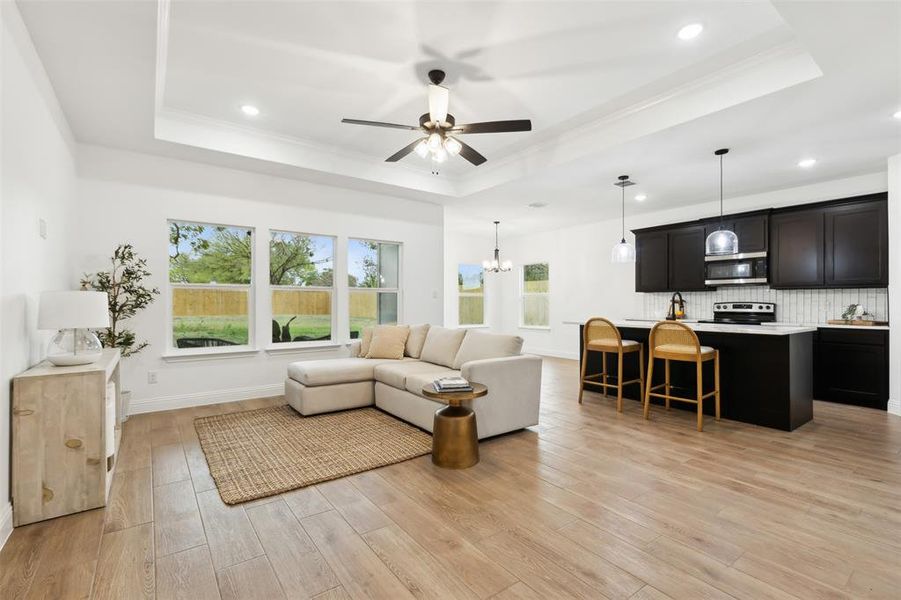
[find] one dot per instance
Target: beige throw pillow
(477, 346)
(441, 345)
(388, 341)
(416, 340)
(365, 340)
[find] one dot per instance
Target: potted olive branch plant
(124, 285)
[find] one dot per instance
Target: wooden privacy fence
(207, 302)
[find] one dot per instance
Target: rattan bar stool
(675, 341)
(600, 335)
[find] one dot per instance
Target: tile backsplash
(792, 306)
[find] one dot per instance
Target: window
(301, 269)
(535, 296)
(471, 295)
(373, 275)
(210, 277)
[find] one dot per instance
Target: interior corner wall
(894, 291)
(37, 183)
(129, 197)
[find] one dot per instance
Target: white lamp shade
(73, 310)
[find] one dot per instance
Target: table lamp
(73, 313)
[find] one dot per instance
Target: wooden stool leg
(619, 383)
(582, 374)
(716, 380)
(700, 396)
(648, 386)
(605, 373)
(667, 388)
(641, 382)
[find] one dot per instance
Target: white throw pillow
(388, 341)
(365, 340)
(477, 346)
(441, 345)
(416, 340)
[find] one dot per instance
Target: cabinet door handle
(23, 412)
(73, 443)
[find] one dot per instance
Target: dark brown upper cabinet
(836, 244)
(752, 231)
(796, 241)
(856, 244)
(686, 258)
(651, 260)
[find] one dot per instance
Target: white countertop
(775, 329)
(778, 328)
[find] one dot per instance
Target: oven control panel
(745, 307)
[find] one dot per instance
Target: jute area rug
(259, 453)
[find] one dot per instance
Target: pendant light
(495, 265)
(623, 252)
(723, 240)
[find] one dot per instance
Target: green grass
(234, 329)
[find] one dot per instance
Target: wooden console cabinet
(59, 438)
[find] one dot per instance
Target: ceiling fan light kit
(437, 124)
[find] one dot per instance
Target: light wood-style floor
(591, 504)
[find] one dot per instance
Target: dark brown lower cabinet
(851, 367)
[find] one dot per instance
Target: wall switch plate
(151, 376)
(42, 228)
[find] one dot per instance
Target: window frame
(333, 336)
(398, 291)
(172, 351)
(523, 294)
(461, 294)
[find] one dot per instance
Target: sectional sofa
(395, 386)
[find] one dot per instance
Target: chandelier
(495, 265)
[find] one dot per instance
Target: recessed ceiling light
(691, 31)
(641, 197)
(250, 110)
(897, 115)
(806, 163)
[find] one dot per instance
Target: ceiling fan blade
(403, 152)
(470, 154)
(494, 127)
(438, 101)
(380, 124)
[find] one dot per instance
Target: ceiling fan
(438, 126)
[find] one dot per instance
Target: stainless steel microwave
(736, 269)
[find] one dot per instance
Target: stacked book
(452, 384)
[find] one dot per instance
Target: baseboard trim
(148, 405)
(894, 407)
(553, 353)
(6, 523)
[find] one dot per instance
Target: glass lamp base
(70, 347)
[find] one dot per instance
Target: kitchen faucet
(676, 313)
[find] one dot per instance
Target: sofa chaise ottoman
(395, 385)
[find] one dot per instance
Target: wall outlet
(151, 376)
(42, 228)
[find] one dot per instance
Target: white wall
(470, 249)
(37, 181)
(128, 197)
(894, 292)
(585, 283)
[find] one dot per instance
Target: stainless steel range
(743, 313)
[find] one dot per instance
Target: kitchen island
(766, 372)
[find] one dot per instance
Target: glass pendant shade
(721, 241)
(622, 252)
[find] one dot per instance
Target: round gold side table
(455, 436)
